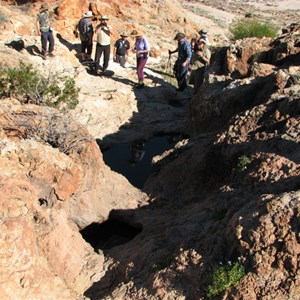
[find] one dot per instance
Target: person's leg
(89, 47)
(141, 62)
(122, 60)
(199, 78)
(51, 42)
(97, 56)
(83, 49)
(182, 84)
(106, 50)
(44, 42)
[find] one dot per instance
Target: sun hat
(88, 14)
(179, 35)
(123, 33)
(136, 33)
(203, 31)
(103, 18)
(44, 7)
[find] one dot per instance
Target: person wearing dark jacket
(86, 32)
(181, 65)
(121, 48)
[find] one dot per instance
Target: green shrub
(243, 162)
(252, 28)
(224, 277)
(29, 86)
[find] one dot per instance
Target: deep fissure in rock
(109, 234)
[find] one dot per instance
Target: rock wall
(49, 190)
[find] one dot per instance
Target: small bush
(252, 28)
(29, 86)
(224, 277)
(243, 162)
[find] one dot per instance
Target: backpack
(85, 29)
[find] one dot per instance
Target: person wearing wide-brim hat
(86, 32)
(103, 43)
(121, 48)
(142, 50)
(200, 62)
(44, 29)
(203, 35)
(181, 65)
(103, 18)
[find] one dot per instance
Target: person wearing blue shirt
(181, 65)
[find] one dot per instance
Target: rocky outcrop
(53, 182)
(228, 195)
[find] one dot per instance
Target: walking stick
(168, 63)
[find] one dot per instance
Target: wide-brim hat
(179, 35)
(103, 18)
(88, 14)
(44, 7)
(203, 31)
(135, 33)
(123, 33)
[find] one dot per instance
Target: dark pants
(121, 59)
(87, 46)
(199, 78)
(106, 53)
(45, 38)
(180, 73)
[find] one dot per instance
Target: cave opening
(109, 234)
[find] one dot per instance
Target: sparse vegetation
(252, 28)
(57, 130)
(243, 162)
(224, 277)
(28, 85)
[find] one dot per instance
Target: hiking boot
(140, 85)
(51, 54)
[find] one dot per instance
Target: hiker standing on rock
(86, 32)
(103, 43)
(121, 48)
(142, 50)
(43, 27)
(181, 65)
(199, 63)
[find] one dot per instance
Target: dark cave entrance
(109, 234)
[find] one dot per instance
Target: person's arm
(205, 55)
(174, 51)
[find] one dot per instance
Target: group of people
(121, 46)
(193, 56)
